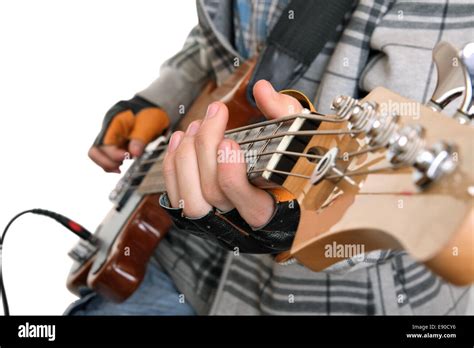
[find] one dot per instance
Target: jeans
(156, 295)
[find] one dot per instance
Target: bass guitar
(384, 172)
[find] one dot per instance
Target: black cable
(74, 227)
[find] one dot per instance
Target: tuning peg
(465, 112)
(343, 106)
(433, 163)
(406, 144)
(451, 79)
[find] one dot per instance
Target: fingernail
(174, 142)
(193, 128)
(134, 149)
(212, 110)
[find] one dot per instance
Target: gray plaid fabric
(384, 43)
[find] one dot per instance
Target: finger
(169, 169)
(103, 161)
(187, 174)
(273, 104)
(113, 152)
(136, 147)
(207, 140)
(119, 129)
(254, 205)
(149, 123)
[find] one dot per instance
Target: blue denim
(156, 295)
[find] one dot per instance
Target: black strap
(296, 39)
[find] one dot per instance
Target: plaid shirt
(253, 21)
(385, 43)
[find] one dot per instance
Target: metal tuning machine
(465, 112)
(405, 144)
(450, 84)
(455, 77)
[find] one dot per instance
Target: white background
(62, 65)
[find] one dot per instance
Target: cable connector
(71, 225)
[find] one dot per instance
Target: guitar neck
(270, 149)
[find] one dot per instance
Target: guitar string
(294, 154)
(264, 147)
(361, 152)
(304, 176)
(266, 138)
(287, 153)
(280, 121)
(292, 133)
(312, 116)
(291, 153)
(311, 156)
(365, 172)
(276, 171)
(334, 176)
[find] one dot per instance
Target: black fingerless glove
(231, 231)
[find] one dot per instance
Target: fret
(267, 167)
(250, 159)
(257, 164)
(239, 136)
(153, 182)
(264, 147)
(247, 135)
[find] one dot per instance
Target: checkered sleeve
(182, 77)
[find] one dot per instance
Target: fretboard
(262, 147)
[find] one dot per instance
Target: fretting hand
(197, 181)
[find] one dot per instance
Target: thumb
(273, 104)
(149, 123)
(136, 147)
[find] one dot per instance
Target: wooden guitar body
(127, 239)
(130, 233)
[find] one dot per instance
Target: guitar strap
(295, 41)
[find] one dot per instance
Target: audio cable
(71, 225)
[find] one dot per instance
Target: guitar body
(129, 234)
(128, 238)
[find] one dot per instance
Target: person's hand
(196, 181)
(127, 128)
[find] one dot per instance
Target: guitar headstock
(403, 178)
